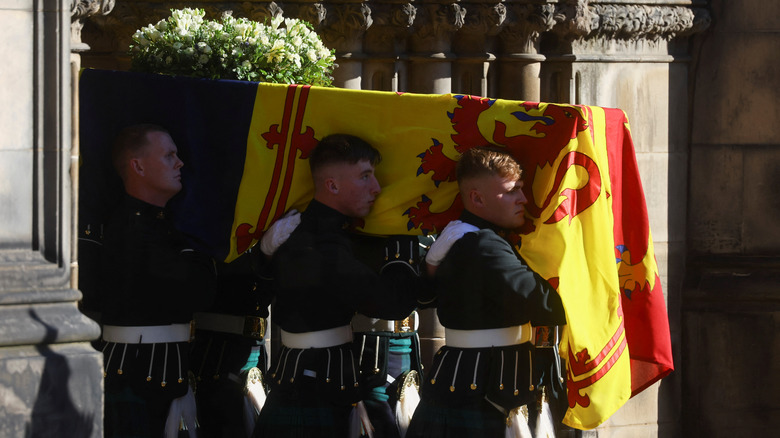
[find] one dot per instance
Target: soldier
(229, 356)
(389, 350)
(152, 283)
(489, 300)
(319, 285)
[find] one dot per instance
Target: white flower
(290, 24)
(276, 21)
(323, 53)
(227, 48)
(203, 47)
(214, 26)
(296, 59)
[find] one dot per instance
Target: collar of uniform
(471, 218)
(142, 208)
(326, 217)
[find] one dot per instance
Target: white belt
(319, 339)
(362, 323)
(497, 337)
(147, 334)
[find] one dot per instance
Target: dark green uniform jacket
(483, 283)
(151, 276)
(320, 284)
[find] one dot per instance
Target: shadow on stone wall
(54, 413)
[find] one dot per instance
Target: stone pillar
(50, 377)
(342, 29)
(474, 45)
(430, 69)
(520, 60)
(386, 65)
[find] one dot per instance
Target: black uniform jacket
(151, 274)
(320, 284)
(483, 283)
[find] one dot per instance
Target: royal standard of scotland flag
(245, 147)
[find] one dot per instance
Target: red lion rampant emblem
(555, 127)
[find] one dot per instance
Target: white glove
(449, 235)
(279, 232)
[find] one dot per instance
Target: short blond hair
(483, 161)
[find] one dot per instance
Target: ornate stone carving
(438, 20)
(314, 13)
(79, 11)
(634, 22)
(484, 19)
(482, 22)
(524, 25)
(391, 24)
(257, 11)
(345, 25)
(394, 15)
(701, 21)
(574, 19)
(114, 31)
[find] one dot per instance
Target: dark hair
(129, 142)
(342, 148)
(487, 161)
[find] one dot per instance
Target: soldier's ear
(136, 166)
(475, 196)
(332, 185)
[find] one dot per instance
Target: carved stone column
(430, 46)
(520, 60)
(50, 376)
(475, 46)
(386, 64)
(80, 11)
(342, 29)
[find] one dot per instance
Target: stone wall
(50, 377)
(731, 299)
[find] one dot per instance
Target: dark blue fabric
(209, 122)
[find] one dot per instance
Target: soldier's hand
(449, 235)
(279, 232)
